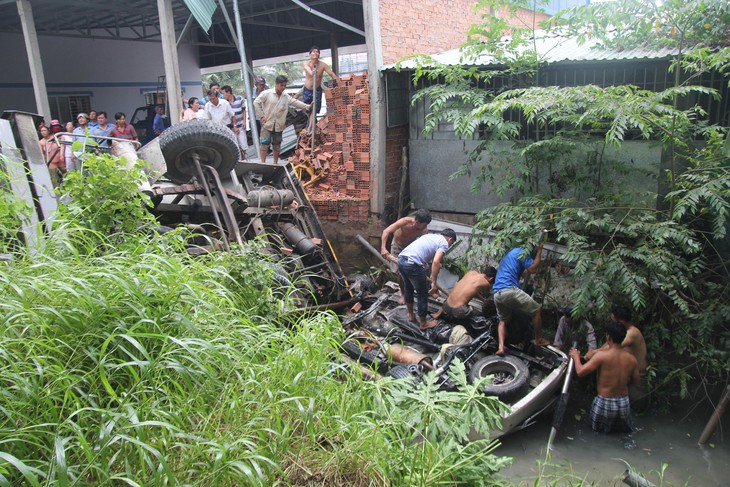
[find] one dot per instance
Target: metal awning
(271, 28)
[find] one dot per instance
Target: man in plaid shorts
(617, 369)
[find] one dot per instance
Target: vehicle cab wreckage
(196, 180)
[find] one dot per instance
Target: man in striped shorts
(617, 369)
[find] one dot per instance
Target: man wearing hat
(574, 330)
(80, 133)
(56, 126)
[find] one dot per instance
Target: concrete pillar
(34, 59)
(334, 52)
(169, 55)
(371, 11)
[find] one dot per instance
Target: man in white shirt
(219, 111)
(272, 106)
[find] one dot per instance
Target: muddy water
(579, 453)
(581, 456)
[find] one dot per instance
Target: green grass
(124, 361)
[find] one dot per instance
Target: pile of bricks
(336, 174)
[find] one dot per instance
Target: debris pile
(336, 174)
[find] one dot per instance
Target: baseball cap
(260, 80)
(85, 115)
(55, 122)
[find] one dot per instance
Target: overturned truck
(196, 180)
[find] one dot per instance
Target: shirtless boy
(473, 284)
(404, 231)
(308, 93)
(617, 369)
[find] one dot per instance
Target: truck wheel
(412, 373)
(215, 145)
(510, 375)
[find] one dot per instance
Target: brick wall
(427, 26)
(395, 139)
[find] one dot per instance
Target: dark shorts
(458, 313)
(269, 137)
(307, 96)
(611, 414)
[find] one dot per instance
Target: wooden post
(715, 418)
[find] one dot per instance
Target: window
(65, 108)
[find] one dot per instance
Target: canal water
(581, 455)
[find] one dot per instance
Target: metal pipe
(313, 115)
(374, 251)
(184, 30)
(327, 17)
(247, 77)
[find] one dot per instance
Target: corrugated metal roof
(551, 48)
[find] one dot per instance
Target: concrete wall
(115, 74)
(432, 162)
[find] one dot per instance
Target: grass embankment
(125, 361)
(148, 367)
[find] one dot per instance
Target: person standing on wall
(310, 92)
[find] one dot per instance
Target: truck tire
(215, 145)
(510, 375)
(412, 373)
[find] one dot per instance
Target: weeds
(125, 360)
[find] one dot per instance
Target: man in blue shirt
(509, 296)
(412, 262)
(158, 124)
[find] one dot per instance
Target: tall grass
(125, 361)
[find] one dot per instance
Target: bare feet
(411, 317)
(438, 314)
(500, 352)
(402, 300)
(427, 325)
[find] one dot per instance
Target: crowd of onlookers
(223, 107)
(93, 129)
(57, 150)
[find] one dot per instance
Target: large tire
(412, 373)
(215, 145)
(510, 375)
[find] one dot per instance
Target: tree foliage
(665, 253)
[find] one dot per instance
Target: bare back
(617, 369)
(635, 344)
(472, 284)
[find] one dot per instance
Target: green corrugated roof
(202, 10)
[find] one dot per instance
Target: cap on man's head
(260, 80)
(55, 122)
(567, 310)
(86, 116)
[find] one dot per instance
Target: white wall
(115, 74)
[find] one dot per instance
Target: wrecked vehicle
(385, 343)
(196, 180)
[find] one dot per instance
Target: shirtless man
(473, 284)
(617, 369)
(404, 231)
(308, 93)
(634, 341)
